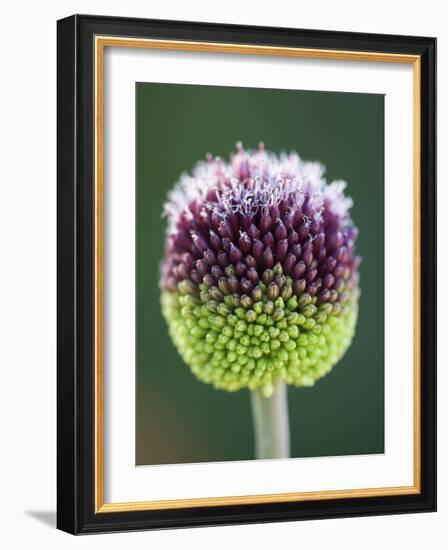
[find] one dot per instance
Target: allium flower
(260, 278)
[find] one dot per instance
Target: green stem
(271, 424)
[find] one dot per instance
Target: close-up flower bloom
(259, 281)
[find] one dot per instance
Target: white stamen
(271, 179)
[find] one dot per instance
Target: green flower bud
(268, 294)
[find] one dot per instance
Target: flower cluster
(260, 278)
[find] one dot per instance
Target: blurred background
(182, 420)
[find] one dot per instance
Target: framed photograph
(246, 274)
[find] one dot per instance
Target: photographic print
(259, 273)
(246, 274)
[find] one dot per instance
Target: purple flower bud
(341, 254)
(208, 280)
(324, 295)
(335, 241)
(265, 223)
(226, 242)
(215, 240)
(246, 285)
(181, 242)
(293, 237)
(252, 275)
(288, 219)
(339, 271)
(320, 255)
(187, 259)
(296, 249)
(202, 267)
(289, 263)
(245, 243)
(268, 239)
(319, 241)
(303, 232)
(240, 269)
(257, 250)
(253, 232)
(330, 264)
(225, 229)
(182, 272)
(281, 249)
(210, 257)
(299, 269)
(235, 254)
(280, 231)
(268, 258)
(307, 246)
(311, 274)
(223, 259)
(199, 241)
(261, 218)
(311, 288)
(328, 281)
(217, 272)
(250, 261)
(274, 212)
(307, 257)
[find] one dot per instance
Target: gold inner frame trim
(101, 42)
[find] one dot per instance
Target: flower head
(260, 279)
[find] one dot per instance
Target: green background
(180, 419)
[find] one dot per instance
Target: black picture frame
(75, 225)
